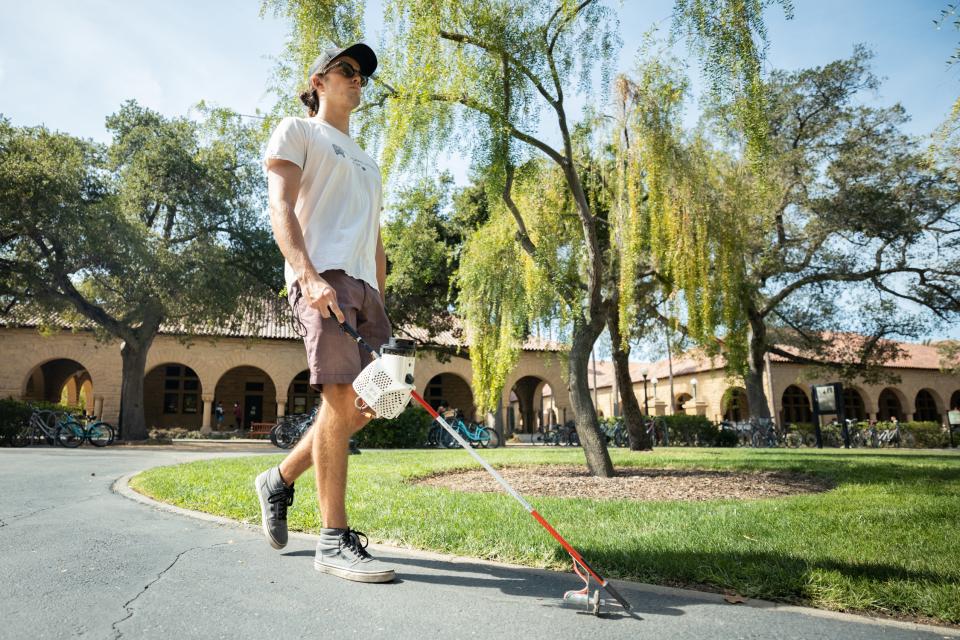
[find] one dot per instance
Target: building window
(796, 407)
(853, 405)
(301, 398)
(889, 406)
(181, 390)
(926, 408)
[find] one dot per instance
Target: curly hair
(311, 100)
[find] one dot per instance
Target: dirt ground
(568, 481)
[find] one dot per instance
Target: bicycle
(72, 433)
(565, 435)
(477, 436)
(42, 425)
(290, 429)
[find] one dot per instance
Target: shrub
(727, 438)
(13, 416)
(409, 429)
(692, 431)
(928, 435)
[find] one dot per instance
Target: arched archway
(453, 391)
(734, 404)
(955, 400)
(172, 397)
(926, 407)
(301, 397)
(795, 406)
(525, 412)
(679, 405)
(61, 380)
(853, 406)
(252, 391)
(890, 405)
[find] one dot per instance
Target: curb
(122, 487)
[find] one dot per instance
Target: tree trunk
(632, 416)
(132, 420)
(588, 429)
(756, 394)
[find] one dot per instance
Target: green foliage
(684, 209)
(929, 435)
(162, 226)
(407, 430)
(724, 34)
(691, 430)
(14, 415)
(422, 247)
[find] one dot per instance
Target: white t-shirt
(340, 197)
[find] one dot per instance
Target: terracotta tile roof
(271, 321)
(915, 356)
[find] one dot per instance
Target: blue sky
(68, 64)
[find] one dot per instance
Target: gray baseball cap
(360, 52)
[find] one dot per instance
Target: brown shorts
(333, 356)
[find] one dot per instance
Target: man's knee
(342, 399)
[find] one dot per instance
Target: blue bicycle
(477, 435)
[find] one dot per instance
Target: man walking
(325, 198)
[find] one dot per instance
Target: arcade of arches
(259, 379)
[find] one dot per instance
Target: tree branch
(502, 53)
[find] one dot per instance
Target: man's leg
(341, 550)
(337, 421)
(301, 458)
(274, 489)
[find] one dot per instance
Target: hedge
(409, 429)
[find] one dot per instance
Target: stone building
(261, 367)
(701, 386)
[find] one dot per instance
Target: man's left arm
(381, 267)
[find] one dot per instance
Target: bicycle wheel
(286, 435)
(68, 436)
(494, 440)
(482, 437)
(448, 441)
(100, 434)
(22, 436)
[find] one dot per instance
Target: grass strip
(886, 540)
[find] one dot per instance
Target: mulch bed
(570, 481)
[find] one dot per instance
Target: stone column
(281, 408)
(701, 408)
(207, 415)
(98, 407)
(660, 408)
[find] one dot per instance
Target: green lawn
(885, 540)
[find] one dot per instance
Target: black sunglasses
(347, 71)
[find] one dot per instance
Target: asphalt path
(81, 558)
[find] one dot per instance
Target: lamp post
(646, 408)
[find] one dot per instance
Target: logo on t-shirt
(340, 152)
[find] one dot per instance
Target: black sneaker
(274, 497)
(341, 552)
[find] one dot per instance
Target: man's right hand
(321, 296)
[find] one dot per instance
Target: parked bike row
(61, 428)
(763, 432)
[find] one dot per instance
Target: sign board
(827, 398)
(954, 418)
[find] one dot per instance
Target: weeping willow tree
(685, 212)
(845, 217)
(491, 78)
